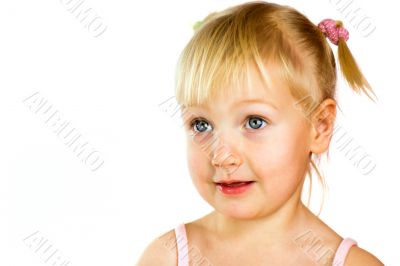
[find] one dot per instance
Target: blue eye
(255, 122)
(199, 125)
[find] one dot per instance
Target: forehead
(255, 89)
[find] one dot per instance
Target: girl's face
(259, 136)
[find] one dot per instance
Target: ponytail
(338, 35)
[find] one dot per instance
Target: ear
(322, 120)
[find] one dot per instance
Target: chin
(237, 211)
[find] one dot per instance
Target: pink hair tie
(333, 29)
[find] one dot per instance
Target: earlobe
(323, 121)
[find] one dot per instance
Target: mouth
(234, 187)
(232, 183)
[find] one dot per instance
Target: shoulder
(359, 257)
(356, 255)
(161, 251)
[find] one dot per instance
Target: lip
(225, 189)
(230, 181)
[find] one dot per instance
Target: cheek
(279, 159)
(200, 171)
(197, 162)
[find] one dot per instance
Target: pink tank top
(183, 250)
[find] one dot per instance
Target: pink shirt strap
(342, 251)
(182, 245)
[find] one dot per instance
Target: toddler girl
(266, 63)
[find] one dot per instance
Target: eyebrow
(247, 101)
(255, 101)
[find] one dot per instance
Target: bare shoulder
(358, 257)
(161, 251)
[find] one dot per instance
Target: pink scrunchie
(333, 30)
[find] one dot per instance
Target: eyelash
(199, 119)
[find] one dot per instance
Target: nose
(225, 157)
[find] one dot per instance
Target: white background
(109, 88)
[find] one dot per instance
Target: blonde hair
(216, 59)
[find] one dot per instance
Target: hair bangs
(217, 60)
